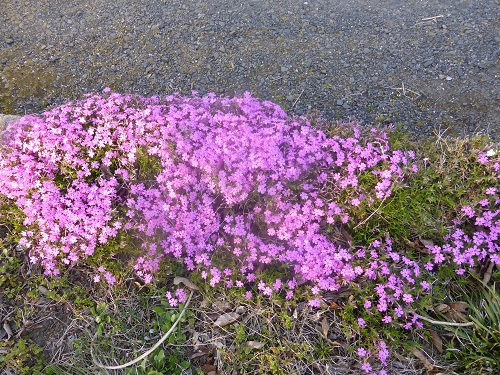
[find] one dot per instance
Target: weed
(478, 347)
(21, 357)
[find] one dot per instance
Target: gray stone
(428, 63)
(4, 121)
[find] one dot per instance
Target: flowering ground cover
(355, 223)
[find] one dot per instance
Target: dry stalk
(298, 97)
(431, 18)
(441, 323)
(147, 353)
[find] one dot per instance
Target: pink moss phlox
(221, 168)
(477, 236)
(213, 181)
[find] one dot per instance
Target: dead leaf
(208, 368)
(436, 340)
(460, 307)
(443, 308)
(195, 338)
(226, 319)
(423, 245)
(399, 357)
(487, 273)
(335, 306)
(426, 243)
(346, 235)
(198, 355)
(42, 301)
(325, 327)
(241, 310)
(458, 311)
(417, 353)
(334, 343)
(410, 243)
(254, 345)
(223, 305)
(178, 280)
(8, 330)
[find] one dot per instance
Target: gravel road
(428, 65)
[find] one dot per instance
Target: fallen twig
(298, 97)
(441, 323)
(432, 18)
(373, 213)
(144, 355)
(404, 90)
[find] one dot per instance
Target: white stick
(165, 336)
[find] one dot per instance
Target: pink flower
(362, 352)
(109, 278)
(468, 211)
(387, 319)
(314, 303)
(366, 367)
(491, 191)
(407, 298)
(181, 295)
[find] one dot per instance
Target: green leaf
(159, 310)
(99, 331)
(159, 357)
(143, 364)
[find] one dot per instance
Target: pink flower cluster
(227, 175)
(228, 187)
(476, 237)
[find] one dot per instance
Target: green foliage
(167, 317)
(10, 282)
(160, 364)
(101, 317)
(478, 348)
(20, 356)
(241, 334)
(448, 178)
